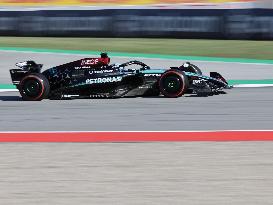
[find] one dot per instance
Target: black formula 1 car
(96, 78)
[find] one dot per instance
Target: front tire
(34, 87)
(173, 83)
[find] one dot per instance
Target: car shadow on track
(206, 94)
(10, 98)
(18, 98)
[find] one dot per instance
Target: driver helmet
(186, 64)
(104, 55)
(105, 58)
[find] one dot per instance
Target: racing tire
(193, 69)
(34, 87)
(173, 84)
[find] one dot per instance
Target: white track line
(252, 85)
(8, 90)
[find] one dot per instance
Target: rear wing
(17, 75)
(23, 69)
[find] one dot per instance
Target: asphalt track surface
(139, 173)
(240, 108)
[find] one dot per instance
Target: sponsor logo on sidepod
(152, 75)
(100, 71)
(197, 81)
(91, 61)
(104, 80)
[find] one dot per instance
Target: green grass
(180, 47)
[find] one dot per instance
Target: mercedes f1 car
(97, 78)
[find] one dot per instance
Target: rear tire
(34, 87)
(173, 83)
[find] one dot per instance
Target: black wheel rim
(32, 88)
(172, 84)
